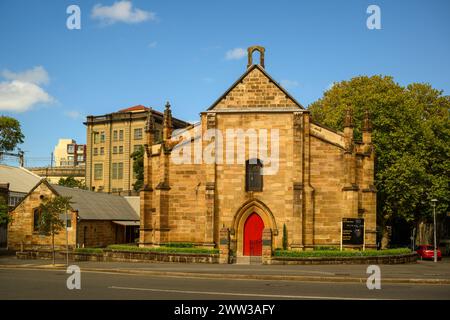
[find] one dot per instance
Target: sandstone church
(321, 175)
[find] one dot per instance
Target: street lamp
(433, 202)
(67, 238)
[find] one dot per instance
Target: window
(253, 176)
(120, 149)
(69, 221)
(137, 147)
(70, 160)
(70, 148)
(114, 150)
(36, 219)
(120, 135)
(115, 135)
(80, 158)
(138, 134)
(102, 151)
(96, 137)
(117, 170)
(14, 200)
(102, 136)
(157, 136)
(80, 149)
(95, 151)
(98, 171)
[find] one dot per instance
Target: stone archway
(242, 215)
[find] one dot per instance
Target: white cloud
(73, 114)
(235, 54)
(152, 44)
(289, 83)
(36, 75)
(121, 11)
(20, 96)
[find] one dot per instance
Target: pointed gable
(253, 90)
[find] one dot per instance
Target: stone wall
(322, 176)
(21, 233)
(97, 233)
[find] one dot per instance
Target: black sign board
(352, 231)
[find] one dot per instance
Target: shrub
(179, 245)
(335, 253)
(89, 250)
(320, 248)
(162, 249)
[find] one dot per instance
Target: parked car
(427, 252)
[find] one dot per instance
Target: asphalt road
(51, 284)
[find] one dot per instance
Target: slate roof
(19, 179)
(97, 205)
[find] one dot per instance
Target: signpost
(353, 232)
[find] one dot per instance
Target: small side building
(94, 219)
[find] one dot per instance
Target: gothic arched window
(253, 175)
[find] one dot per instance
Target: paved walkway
(420, 272)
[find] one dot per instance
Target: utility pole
(67, 237)
(433, 201)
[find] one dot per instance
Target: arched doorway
(253, 229)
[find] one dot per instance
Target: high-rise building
(68, 153)
(111, 139)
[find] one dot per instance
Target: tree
(71, 182)
(138, 168)
(10, 133)
(5, 217)
(285, 238)
(411, 135)
(50, 222)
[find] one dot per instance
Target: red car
(427, 252)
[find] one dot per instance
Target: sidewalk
(426, 272)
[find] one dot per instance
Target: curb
(237, 276)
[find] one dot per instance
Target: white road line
(241, 294)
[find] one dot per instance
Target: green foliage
(179, 245)
(5, 217)
(285, 238)
(50, 222)
(335, 253)
(320, 248)
(89, 250)
(71, 182)
(10, 133)
(120, 247)
(411, 132)
(138, 168)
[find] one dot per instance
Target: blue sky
(148, 52)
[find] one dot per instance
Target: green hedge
(335, 253)
(162, 249)
(179, 245)
(89, 250)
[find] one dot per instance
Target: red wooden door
(253, 229)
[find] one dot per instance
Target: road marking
(241, 294)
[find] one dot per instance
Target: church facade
(254, 173)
